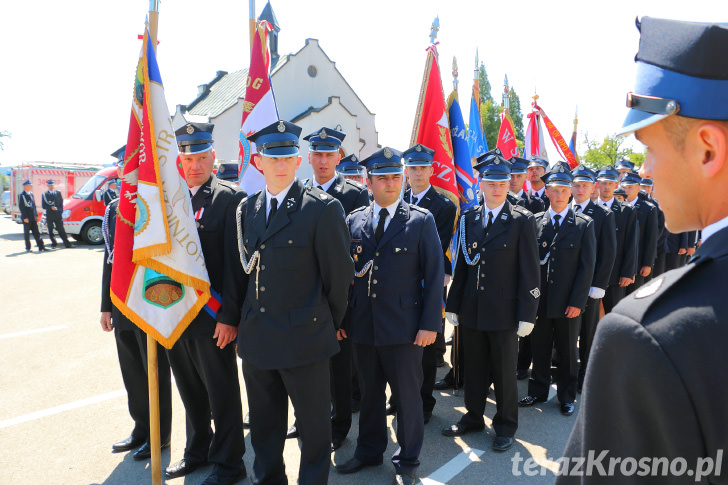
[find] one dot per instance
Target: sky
(68, 67)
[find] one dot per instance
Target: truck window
(89, 187)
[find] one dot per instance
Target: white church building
(309, 90)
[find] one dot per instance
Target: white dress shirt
(390, 208)
(418, 196)
(325, 186)
(280, 197)
(496, 212)
(713, 228)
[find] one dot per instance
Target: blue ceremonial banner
(476, 139)
(467, 185)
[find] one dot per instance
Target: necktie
(320, 187)
(577, 208)
(557, 225)
(273, 209)
(489, 223)
(414, 200)
(379, 231)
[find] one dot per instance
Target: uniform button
(551, 281)
(374, 295)
(290, 241)
(482, 262)
(482, 288)
(262, 246)
(505, 245)
(374, 282)
(262, 309)
(262, 267)
(262, 288)
(376, 268)
(315, 319)
(376, 254)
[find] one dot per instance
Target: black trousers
(491, 355)
(613, 294)
(524, 353)
(589, 320)
(660, 262)
(268, 392)
(131, 346)
(55, 221)
(564, 332)
(673, 260)
(401, 367)
(341, 390)
(207, 380)
(32, 226)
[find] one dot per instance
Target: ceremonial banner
(159, 280)
(558, 140)
(431, 128)
(534, 144)
(466, 183)
(476, 139)
(507, 137)
(259, 110)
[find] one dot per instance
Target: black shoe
(215, 479)
(292, 432)
(69, 245)
(427, 415)
(181, 468)
(502, 443)
(246, 420)
(441, 362)
(336, 443)
(28, 250)
(128, 444)
(567, 408)
(459, 429)
(354, 465)
(391, 409)
(444, 384)
(405, 479)
(530, 401)
(145, 451)
(54, 246)
(355, 406)
(522, 374)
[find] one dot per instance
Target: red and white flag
(507, 137)
(259, 110)
(534, 144)
(159, 280)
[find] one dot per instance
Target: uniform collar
(563, 213)
(608, 203)
(419, 195)
(713, 228)
(326, 185)
(280, 196)
(496, 211)
(582, 205)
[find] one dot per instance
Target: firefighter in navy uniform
(294, 254)
(605, 232)
(52, 203)
(646, 187)
(350, 169)
(537, 168)
(418, 167)
(29, 215)
(654, 387)
(567, 252)
(648, 229)
(203, 359)
(110, 193)
(131, 346)
(494, 298)
(625, 220)
(519, 195)
(324, 156)
(395, 312)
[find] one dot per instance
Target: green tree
(484, 86)
(608, 152)
(515, 109)
(491, 122)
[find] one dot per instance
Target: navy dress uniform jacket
(571, 259)
(52, 199)
(648, 233)
(661, 346)
(26, 204)
(405, 294)
(291, 313)
(444, 212)
(525, 200)
(509, 250)
(349, 193)
(625, 263)
(605, 232)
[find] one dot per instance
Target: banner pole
(152, 358)
(251, 22)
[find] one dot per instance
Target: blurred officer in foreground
(625, 220)
(567, 252)
(294, 251)
(606, 237)
(659, 345)
(29, 215)
(648, 230)
(396, 310)
(53, 205)
(203, 359)
(418, 166)
(494, 297)
(131, 346)
(111, 192)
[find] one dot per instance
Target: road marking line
(30, 332)
(452, 468)
(59, 409)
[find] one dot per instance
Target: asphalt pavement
(63, 403)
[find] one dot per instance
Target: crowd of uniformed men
(334, 288)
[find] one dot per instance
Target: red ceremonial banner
(558, 140)
(507, 137)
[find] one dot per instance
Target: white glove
(452, 318)
(596, 293)
(524, 329)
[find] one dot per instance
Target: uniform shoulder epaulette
(521, 210)
(359, 209)
(418, 209)
(539, 214)
(470, 210)
(251, 197)
(586, 217)
(445, 198)
(318, 194)
(228, 185)
(356, 184)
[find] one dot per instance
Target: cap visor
(417, 163)
(279, 152)
(322, 149)
(496, 177)
(386, 171)
(558, 183)
(637, 119)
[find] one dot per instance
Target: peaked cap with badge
(349, 165)
(384, 162)
(418, 156)
(325, 140)
(277, 140)
(194, 137)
